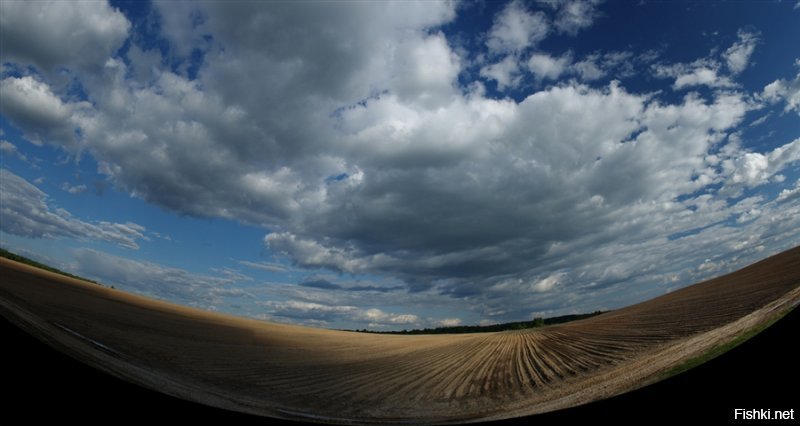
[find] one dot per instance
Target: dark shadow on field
(46, 386)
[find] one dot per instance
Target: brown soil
(344, 377)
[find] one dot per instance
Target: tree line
(517, 325)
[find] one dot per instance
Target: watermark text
(762, 414)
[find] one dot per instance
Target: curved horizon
(332, 376)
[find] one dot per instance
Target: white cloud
(548, 283)
(506, 73)
(152, 279)
(545, 67)
(751, 169)
(738, 55)
(790, 193)
(32, 105)
(617, 64)
(782, 90)
(588, 69)
(426, 71)
(9, 149)
(697, 77)
(574, 15)
(24, 211)
(448, 322)
(516, 29)
(266, 266)
(73, 189)
(702, 72)
(761, 120)
(49, 34)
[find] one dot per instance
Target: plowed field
(344, 377)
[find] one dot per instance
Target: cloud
(588, 69)
(617, 65)
(427, 73)
(790, 194)
(783, 90)
(320, 283)
(49, 34)
(545, 67)
(303, 311)
(700, 76)
(25, 212)
(184, 25)
(516, 29)
(266, 266)
(573, 15)
(701, 72)
(738, 55)
(526, 286)
(174, 284)
(448, 322)
(708, 71)
(753, 169)
(9, 149)
(73, 189)
(506, 73)
(32, 105)
(761, 120)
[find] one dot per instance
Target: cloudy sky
(396, 165)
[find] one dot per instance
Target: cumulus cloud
(184, 25)
(709, 71)
(427, 71)
(32, 105)
(9, 149)
(573, 15)
(73, 189)
(516, 28)
(588, 69)
(703, 72)
(790, 193)
(152, 279)
(753, 168)
(24, 211)
(738, 55)
(786, 91)
(506, 73)
(700, 76)
(617, 65)
(545, 67)
(51, 34)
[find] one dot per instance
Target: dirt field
(342, 377)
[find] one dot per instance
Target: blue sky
(400, 165)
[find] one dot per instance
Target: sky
(399, 165)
